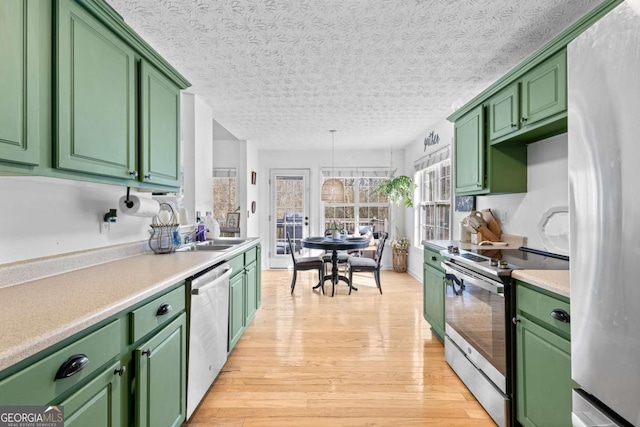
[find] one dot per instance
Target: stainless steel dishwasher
(208, 331)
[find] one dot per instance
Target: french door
(289, 214)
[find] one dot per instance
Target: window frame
(433, 193)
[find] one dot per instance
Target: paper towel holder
(128, 203)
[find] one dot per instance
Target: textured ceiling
(283, 72)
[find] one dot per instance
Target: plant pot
(399, 261)
(335, 234)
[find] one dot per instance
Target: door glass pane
(289, 209)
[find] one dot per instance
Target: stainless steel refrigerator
(604, 180)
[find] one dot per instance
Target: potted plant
(399, 190)
(400, 250)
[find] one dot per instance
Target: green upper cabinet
(504, 112)
(159, 127)
(96, 103)
(544, 90)
(534, 106)
(469, 151)
(19, 142)
(482, 168)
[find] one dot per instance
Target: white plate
(553, 229)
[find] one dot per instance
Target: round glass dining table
(335, 245)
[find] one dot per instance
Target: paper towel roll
(141, 206)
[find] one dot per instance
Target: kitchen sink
(225, 241)
(204, 247)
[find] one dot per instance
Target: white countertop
(556, 281)
(43, 312)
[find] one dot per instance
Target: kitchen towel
(141, 206)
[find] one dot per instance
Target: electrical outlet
(503, 217)
(105, 227)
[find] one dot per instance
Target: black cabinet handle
(120, 371)
(513, 125)
(72, 366)
(515, 321)
(147, 353)
(163, 309)
(560, 315)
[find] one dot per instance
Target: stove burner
(473, 257)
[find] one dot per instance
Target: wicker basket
(399, 261)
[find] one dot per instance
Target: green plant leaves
(399, 190)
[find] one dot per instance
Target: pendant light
(333, 189)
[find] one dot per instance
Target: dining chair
(305, 263)
(362, 264)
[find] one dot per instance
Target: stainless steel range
(479, 340)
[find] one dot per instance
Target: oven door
(475, 320)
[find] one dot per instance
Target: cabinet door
(161, 377)
(236, 309)
(98, 404)
(503, 112)
(95, 87)
(159, 127)
(433, 299)
(544, 90)
(543, 376)
(469, 152)
(18, 106)
(251, 296)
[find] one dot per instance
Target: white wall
(547, 187)
(196, 124)
(413, 152)
(49, 216)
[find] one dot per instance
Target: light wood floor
(363, 359)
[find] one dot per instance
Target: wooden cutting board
(492, 224)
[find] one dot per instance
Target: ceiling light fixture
(332, 188)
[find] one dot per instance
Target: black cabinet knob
(72, 366)
(433, 258)
(560, 315)
(147, 353)
(121, 371)
(164, 309)
(515, 321)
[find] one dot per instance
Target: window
(433, 210)
(224, 193)
(362, 205)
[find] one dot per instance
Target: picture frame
(233, 220)
(254, 177)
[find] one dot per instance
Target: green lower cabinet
(99, 403)
(433, 299)
(251, 294)
(237, 316)
(543, 359)
(161, 377)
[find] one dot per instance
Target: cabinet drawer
(433, 258)
(237, 264)
(150, 316)
(540, 306)
(36, 384)
(250, 255)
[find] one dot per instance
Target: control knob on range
(504, 264)
(455, 250)
(494, 262)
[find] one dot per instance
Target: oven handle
(485, 284)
